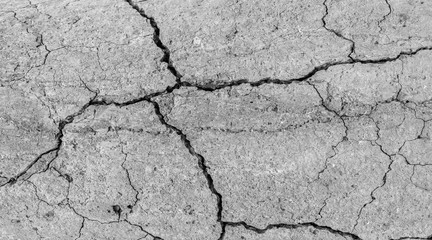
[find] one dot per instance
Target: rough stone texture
(272, 182)
(124, 158)
(215, 119)
(26, 216)
(382, 28)
(401, 208)
(26, 131)
(66, 51)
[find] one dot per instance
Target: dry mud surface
(216, 119)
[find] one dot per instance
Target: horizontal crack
(410, 238)
(291, 226)
(214, 87)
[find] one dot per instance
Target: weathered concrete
(215, 119)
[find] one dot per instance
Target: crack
(322, 208)
(105, 223)
(210, 87)
(338, 34)
(265, 131)
(410, 238)
(210, 182)
(384, 181)
(142, 230)
(81, 228)
(343, 139)
(201, 161)
(129, 180)
(157, 40)
(292, 226)
(385, 16)
(59, 139)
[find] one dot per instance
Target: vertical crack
(201, 162)
(384, 181)
(129, 180)
(81, 228)
(156, 38)
(338, 34)
(390, 10)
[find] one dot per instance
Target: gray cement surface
(215, 119)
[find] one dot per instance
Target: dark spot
(12, 180)
(117, 209)
(49, 214)
(129, 206)
(68, 178)
(189, 210)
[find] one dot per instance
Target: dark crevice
(292, 226)
(210, 182)
(81, 228)
(201, 161)
(210, 87)
(156, 38)
(410, 238)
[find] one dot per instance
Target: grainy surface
(215, 119)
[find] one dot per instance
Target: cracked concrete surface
(215, 119)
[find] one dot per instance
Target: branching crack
(214, 87)
(59, 139)
(344, 137)
(201, 161)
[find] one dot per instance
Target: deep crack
(201, 161)
(157, 40)
(292, 226)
